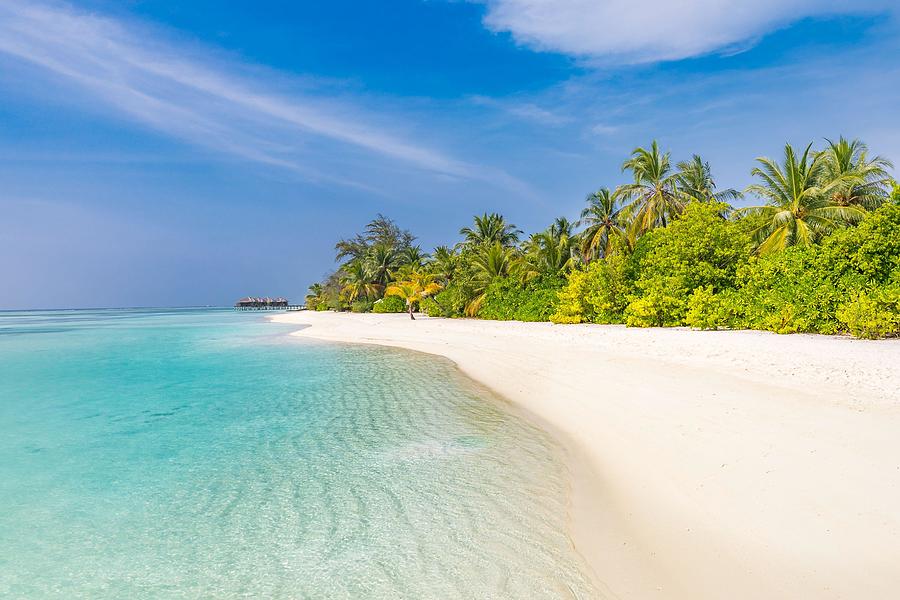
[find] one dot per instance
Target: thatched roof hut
(261, 303)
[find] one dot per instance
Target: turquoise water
(205, 453)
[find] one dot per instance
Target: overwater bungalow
(250, 303)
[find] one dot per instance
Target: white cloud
(194, 95)
(652, 30)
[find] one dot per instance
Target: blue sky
(172, 153)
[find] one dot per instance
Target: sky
(163, 153)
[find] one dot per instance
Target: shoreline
(703, 464)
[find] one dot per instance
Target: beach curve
(704, 464)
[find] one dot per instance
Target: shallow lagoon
(187, 453)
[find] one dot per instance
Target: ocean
(206, 453)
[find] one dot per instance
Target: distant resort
(250, 303)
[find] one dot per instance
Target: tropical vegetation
(813, 247)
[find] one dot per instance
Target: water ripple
(186, 458)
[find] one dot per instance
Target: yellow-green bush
(597, 293)
(571, 307)
(389, 304)
(708, 310)
(656, 308)
(699, 249)
(788, 292)
(874, 314)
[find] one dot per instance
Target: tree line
(819, 251)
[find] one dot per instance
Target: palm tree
(412, 256)
(561, 227)
(316, 294)
(381, 261)
(356, 282)
(653, 197)
(444, 262)
(415, 288)
(491, 228)
(799, 208)
(696, 183)
(860, 180)
(551, 251)
(488, 263)
(601, 216)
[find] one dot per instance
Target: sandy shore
(705, 464)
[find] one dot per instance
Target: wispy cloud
(535, 113)
(193, 94)
(603, 129)
(525, 111)
(653, 30)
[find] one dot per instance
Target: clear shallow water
(204, 453)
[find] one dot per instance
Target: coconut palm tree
(859, 180)
(412, 256)
(696, 183)
(653, 198)
(799, 208)
(415, 288)
(356, 282)
(601, 216)
(491, 228)
(316, 293)
(488, 263)
(382, 260)
(444, 262)
(551, 251)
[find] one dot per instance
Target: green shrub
(541, 299)
(827, 288)
(874, 314)
(335, 302)
(389, 304)
(506, 298)
(655, 308)
(432, 308)
(361, 305)
(571, 306)
(869, 252)
(708, 310)
(788, 292)
(596, 294)
(608, 287)
(698, 272)
(452, 300)
(699, 249)
(502, 299)
(322, 307)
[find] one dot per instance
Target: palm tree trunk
(410, 311)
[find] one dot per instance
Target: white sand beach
(720, 465)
